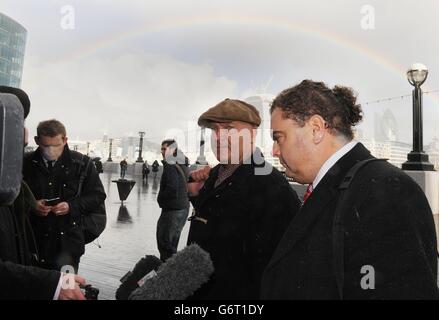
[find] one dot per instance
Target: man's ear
(37, 141)
(255, 131)
(318, 127)
(65, 140)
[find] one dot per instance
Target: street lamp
(417, 159)
(140, 159)
(201, 159)
(111, 147)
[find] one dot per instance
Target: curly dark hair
(338, 106)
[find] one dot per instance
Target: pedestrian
(123, 168)
(381, 244)
(172, 199)
(155, 168)
(241, 206)
(145, 170)
(70, 209)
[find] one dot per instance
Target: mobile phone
(51, 202)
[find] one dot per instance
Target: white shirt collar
(333, 160)
(47, 161)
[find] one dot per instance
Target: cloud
(123, 95)
(331, 47)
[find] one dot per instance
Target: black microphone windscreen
(11, 147)
(131, 280)
(179, 277)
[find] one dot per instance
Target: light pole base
(201, 160)
(139, 160)
(417, 161)
(429, 183)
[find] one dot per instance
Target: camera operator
(19, 280)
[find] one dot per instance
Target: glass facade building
(12, 46)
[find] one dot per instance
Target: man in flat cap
(242, 205)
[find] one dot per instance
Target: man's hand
(199, 176)
(42, 210)
(74, 293)
(61, 209)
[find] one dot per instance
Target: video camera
(11, 147)
(90, 292)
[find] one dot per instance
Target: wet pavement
(129, 235)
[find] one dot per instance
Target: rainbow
(233, 19)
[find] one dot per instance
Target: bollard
(124, 187)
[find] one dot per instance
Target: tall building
(12, 47)
(432, 150)
(395, 151)
(386, 127)
(262, 103)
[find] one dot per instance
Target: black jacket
(389, 226)
(123, 164)
(21, 208)
(173, 187)
(56, 235)
(240, 223)
(155, 166)
(19, 281)
(98, 166)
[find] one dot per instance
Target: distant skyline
(130, 66)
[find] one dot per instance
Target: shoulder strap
(83, 175)
(183, 175)
(338, 228)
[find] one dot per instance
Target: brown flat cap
(230, 110)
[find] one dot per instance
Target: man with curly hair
(372, 239)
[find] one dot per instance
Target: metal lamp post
(417, 159)
(140, 159)
(201, 159)
(111, 147)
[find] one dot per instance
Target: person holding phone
(70, 198)
(19, 280)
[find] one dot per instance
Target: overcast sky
(133, 65)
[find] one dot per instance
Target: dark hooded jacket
(173, 184)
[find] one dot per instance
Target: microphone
(179, 277)
(144, 269)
